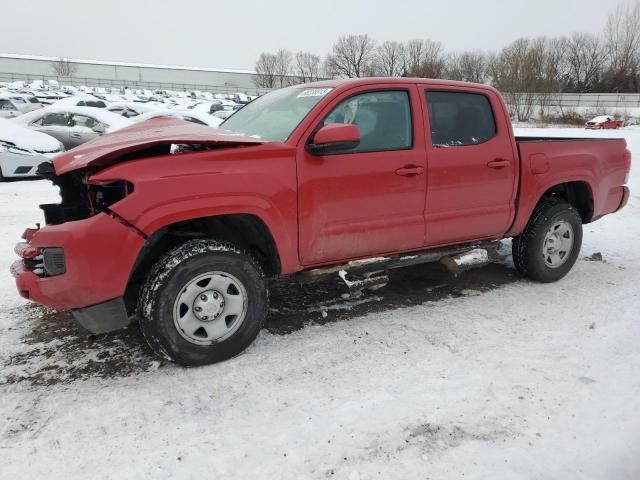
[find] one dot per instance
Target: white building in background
(98, 73)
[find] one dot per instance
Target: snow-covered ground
(518, 381)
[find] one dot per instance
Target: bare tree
(425, 58)
(283, 67)
(553, 71)
(307, 66)
(585, 61)
(622, 39)
(515, 71)
(467, 66)
(63, 67)
(414, 51)
(266, 71)
(350, 56)
(389, 59)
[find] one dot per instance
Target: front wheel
(550, 244)
(203, 302)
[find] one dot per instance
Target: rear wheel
(203, 302)
(549, 246)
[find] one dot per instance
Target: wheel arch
(576, 193)
(247, 231)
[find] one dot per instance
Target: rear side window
(459, 119)
(6, 105)
(384, 120)
(95, 103)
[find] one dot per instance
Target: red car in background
(604, 122)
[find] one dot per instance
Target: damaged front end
(82, 259)
(80, 198)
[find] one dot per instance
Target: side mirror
(99, 128)
(334, 138)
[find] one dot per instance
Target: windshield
(275, 115)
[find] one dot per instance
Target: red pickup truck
(179, 225)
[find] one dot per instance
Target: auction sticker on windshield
(313, 92)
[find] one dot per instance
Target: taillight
(627, 164)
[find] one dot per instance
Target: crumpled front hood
(110, 149)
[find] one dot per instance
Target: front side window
(58, 119)
(383, 118)
(459, 119)
(275, 116)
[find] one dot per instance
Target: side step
(372, 273)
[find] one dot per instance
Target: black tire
(527, 248)
(165, 282)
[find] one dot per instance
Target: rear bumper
(100, 253)
(625, 198)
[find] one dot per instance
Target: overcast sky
(232, 33)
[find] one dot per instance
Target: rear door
(472, 166)
(369, 200)
(81, 130)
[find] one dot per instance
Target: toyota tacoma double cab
(179, 226)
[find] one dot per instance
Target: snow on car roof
(112, 120)
(136, 106)
(205, 118)
(601, 118)
(26, 138)
(73, 100)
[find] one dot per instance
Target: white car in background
(9, 107)
(223, 114)
(132, 109)
(111, 97)
(15, 104)
(187, 115)
(82, 100)
(73, 126)
(49, 97)
(230, 104)
(22, 150)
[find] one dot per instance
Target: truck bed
(596, 163)
(521, 139)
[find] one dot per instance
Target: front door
(369, 200)
(472, 167)
(54, 124)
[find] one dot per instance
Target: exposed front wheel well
(576, 194)
(247, 232)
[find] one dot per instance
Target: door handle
(76, 135)
(498, 163)
(410, 171)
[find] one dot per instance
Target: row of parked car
(33, 128)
